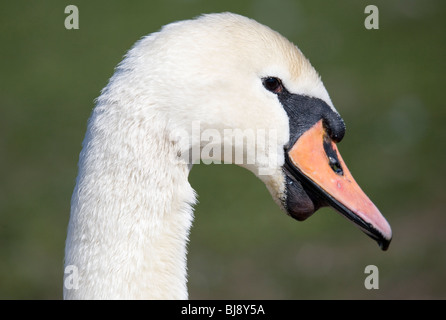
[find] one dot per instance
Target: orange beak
(316, 161)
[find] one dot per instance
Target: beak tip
(384, 244)
(384, 236)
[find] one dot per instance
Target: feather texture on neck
(131, 209)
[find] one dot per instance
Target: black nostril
(335, 165)
(332, 155)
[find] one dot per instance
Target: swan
(132, 205)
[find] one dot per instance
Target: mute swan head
(224, 71)
(182, 95)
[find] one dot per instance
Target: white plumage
(131, 208)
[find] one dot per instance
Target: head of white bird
(240, 76)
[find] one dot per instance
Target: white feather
(131, 209)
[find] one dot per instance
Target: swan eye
(273, 84)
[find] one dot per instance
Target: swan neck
(131, 211)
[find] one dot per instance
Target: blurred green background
(388, 85)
